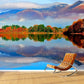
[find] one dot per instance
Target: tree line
(37, 28)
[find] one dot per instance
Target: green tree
(23, 27)
(35, 28)
(13, 26)
(49, 29)
(59, 28)
(4, 27)
(31, 29)
(17, 26)
(67, 26)
(41, 28)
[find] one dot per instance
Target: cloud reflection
(24, 56)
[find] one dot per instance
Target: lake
(35, 51)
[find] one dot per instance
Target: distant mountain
(54, 10)
(41, 13)
(3, 10)
(30, 14)
(11, 11)
(58, 10)
(79, 9)
(8, 13)
(76, 4)
(33, 13)
(76, 8)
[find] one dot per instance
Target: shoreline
(31, 33)
(35, 70)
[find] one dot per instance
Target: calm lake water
(34, 52)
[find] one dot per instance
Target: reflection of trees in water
(40, 37)
(14, 37)
(35, 37)
(77, 40)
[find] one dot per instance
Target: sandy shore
(40, 78)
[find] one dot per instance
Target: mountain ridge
(54, 10)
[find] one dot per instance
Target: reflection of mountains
(52, 53)
(33, 54)
(77, 40)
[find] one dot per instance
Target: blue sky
(39, 1)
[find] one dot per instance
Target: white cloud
(22, 60)
(21, 45)
(2, 43)
(26, 5)
(21, 20)
(20, 5)
(2, 22)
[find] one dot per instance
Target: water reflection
(31, 56)
(13, 36)
(35, 37)
(77, 40)
(15, 54)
